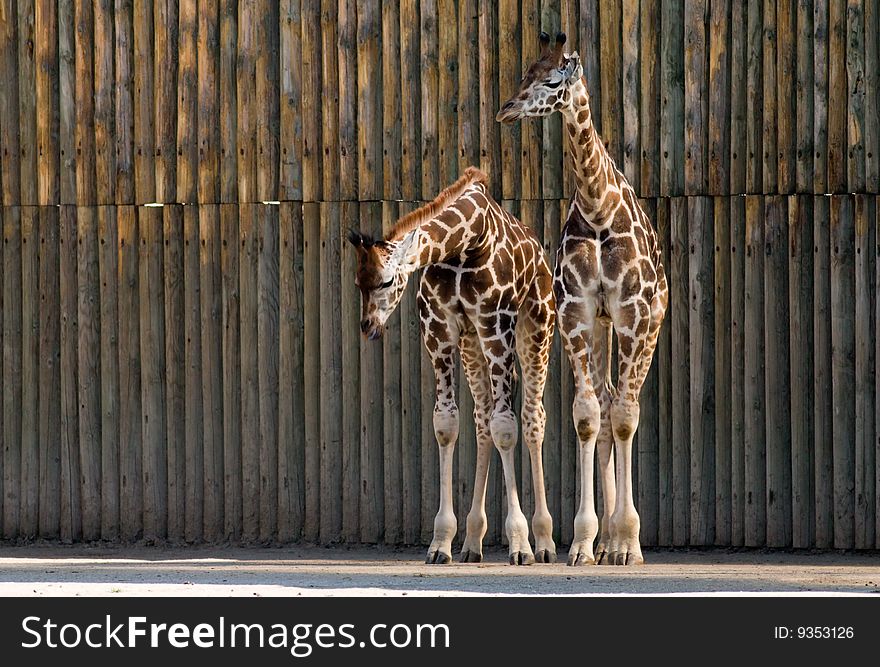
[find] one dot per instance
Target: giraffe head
(383, 268)
(545, 88)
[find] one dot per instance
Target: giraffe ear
(572, 69)
(545, 43)
(355, 237)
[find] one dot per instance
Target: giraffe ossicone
(486, 294)
(608, 276)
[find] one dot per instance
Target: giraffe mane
(415, 218)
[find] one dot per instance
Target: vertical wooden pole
(842, 314)
(822, 405)
(46, 48)
(872, 96)
(347, 91)
(67, 109)
(723, 380)
(251, 443)
(631, 102)
(701, 334)
(291, 417)
(755, 94)
(232, 430)
(187, 106)
(152, 350)
(27, 102)
(143, 97)
(649, 98)
(679, 323)
(89, 370)
(440, 45)
(71, 492)
(268, 101)
(800, 291)
(12, 454)
(531, 132)
(820, 97)
(721, 102)
(268, 300)
(737, 356)
(509, 71)
(369, 84)
(124, 117)
(331, 375)
(804, 121)
(165, 96)
(196, 410)
(490, 139)
(311, 369)
(770, 120)
(696, 97)
(214, 371)
(290, 107)
(855, 86)
(247, 110)
(865, 333)
(786, 95)
(10, 149)
(228, 102)
(777, 391)
(391, 91)
(738, 97)
(410, 103)
(837, 93)
(130, 425)
(753, 370)
(30, 372)
(672, 99)
(86, 187)
(175, 343)
(105, 92)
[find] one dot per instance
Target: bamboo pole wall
(180, 352)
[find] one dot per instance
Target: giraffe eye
(386, 284)
(553, 84)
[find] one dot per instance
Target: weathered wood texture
(181, 358)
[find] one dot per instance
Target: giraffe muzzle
(508, 113)
(371, 330)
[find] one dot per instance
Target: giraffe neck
(593, 166)
(458, 232)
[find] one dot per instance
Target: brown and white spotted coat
(608, 274)
(487, 294)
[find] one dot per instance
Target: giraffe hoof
(545, 556)
(438, 558)
(522, 558)
(468, 556)
(576, 560)
(602, 558)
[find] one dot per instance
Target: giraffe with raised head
(486, 293)
(608, 276)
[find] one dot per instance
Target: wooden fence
(181, 357)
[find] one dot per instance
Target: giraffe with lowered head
(486, 292)
(608, 276)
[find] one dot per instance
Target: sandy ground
(52, 570)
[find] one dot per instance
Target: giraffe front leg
(445, 526)
(446, 432)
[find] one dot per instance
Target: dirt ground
(53, 570)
